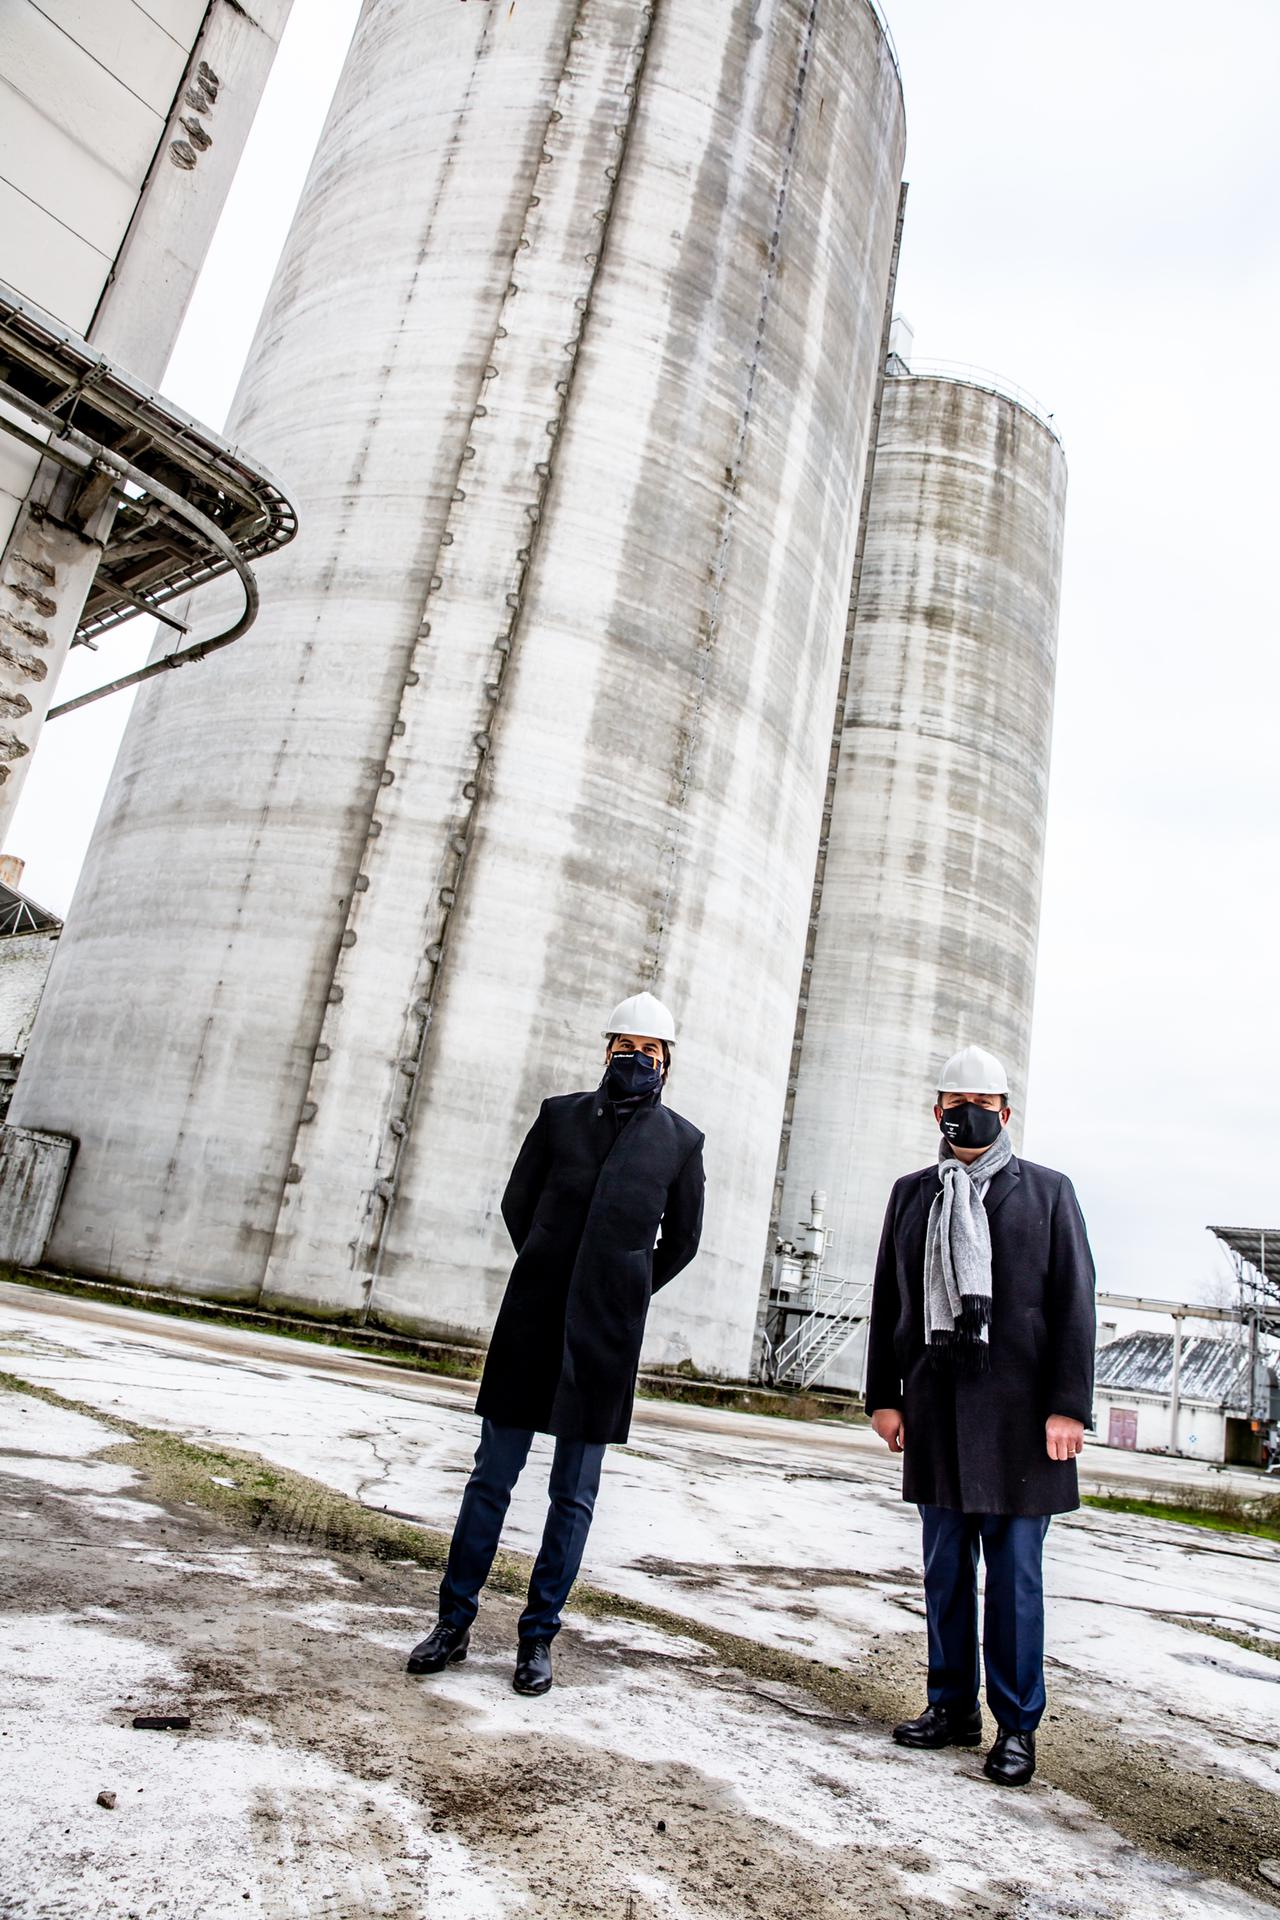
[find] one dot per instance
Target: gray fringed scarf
(957, 1259)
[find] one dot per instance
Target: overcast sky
(1092, 214)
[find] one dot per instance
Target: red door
(1123, 1429)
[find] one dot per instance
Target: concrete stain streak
(709, 626)
(837, 736)
(335, 988)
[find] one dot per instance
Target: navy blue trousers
(575, 1480)
(1013, 1612)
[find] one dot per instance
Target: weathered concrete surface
(118, 1335)
(33, 1172)
(668, 1776)
(1162, 1639)
(569, 357)
(930, 907)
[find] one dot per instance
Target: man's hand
(1064, 1438)
(887, 1422)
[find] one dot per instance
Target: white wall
(650, 808)
(1201, 1429)
(25, 959)
(84, 95)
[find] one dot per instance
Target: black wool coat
(584, 1206)
(976, 1442)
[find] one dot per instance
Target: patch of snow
(635, 1636)
(28, 1425)
(841, 1785)
(789, 1533)
(71, 1476)
(202, 1824)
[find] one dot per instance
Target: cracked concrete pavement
(670, 1772)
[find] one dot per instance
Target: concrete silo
(930, 895)
(569, 363)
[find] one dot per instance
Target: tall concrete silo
(569, 361)
(930, 897)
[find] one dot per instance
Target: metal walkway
(192, 507)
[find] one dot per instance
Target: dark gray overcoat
(976, 1442)
(584, 1206)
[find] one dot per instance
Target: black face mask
(629, 1076)
(970, 1126)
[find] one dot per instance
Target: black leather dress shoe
(941, 1727)
(1012, 1760)
(533, 1667)
(442, 1646)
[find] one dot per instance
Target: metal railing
(191, 507)
(973, 376)
(883, 25)
(809, 1349)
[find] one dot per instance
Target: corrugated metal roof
(1260, 1247)
(1257, 1245)
(1212, 1370)
(20, 915)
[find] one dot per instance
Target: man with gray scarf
(980, 1373)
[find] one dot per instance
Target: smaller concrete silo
(930, 896)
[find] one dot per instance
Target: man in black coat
(599, 1177)
(980, 1373)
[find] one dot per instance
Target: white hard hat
(643, 1015)
(973, 1071)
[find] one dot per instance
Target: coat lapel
(600, 1128)
(1002, 1186)
(630, 1137)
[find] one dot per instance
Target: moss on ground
(247, 1491)
(1252, 1642)
(457, 1363)
(1220, 1512)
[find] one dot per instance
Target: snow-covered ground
(792, 1535)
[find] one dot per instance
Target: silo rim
(878, 14)
(961, 374)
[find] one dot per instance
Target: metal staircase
(839, 1309)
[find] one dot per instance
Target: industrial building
(28, 938)
(121, 127)
(1206, 1411)
(650, 624)
(1213, 1398)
